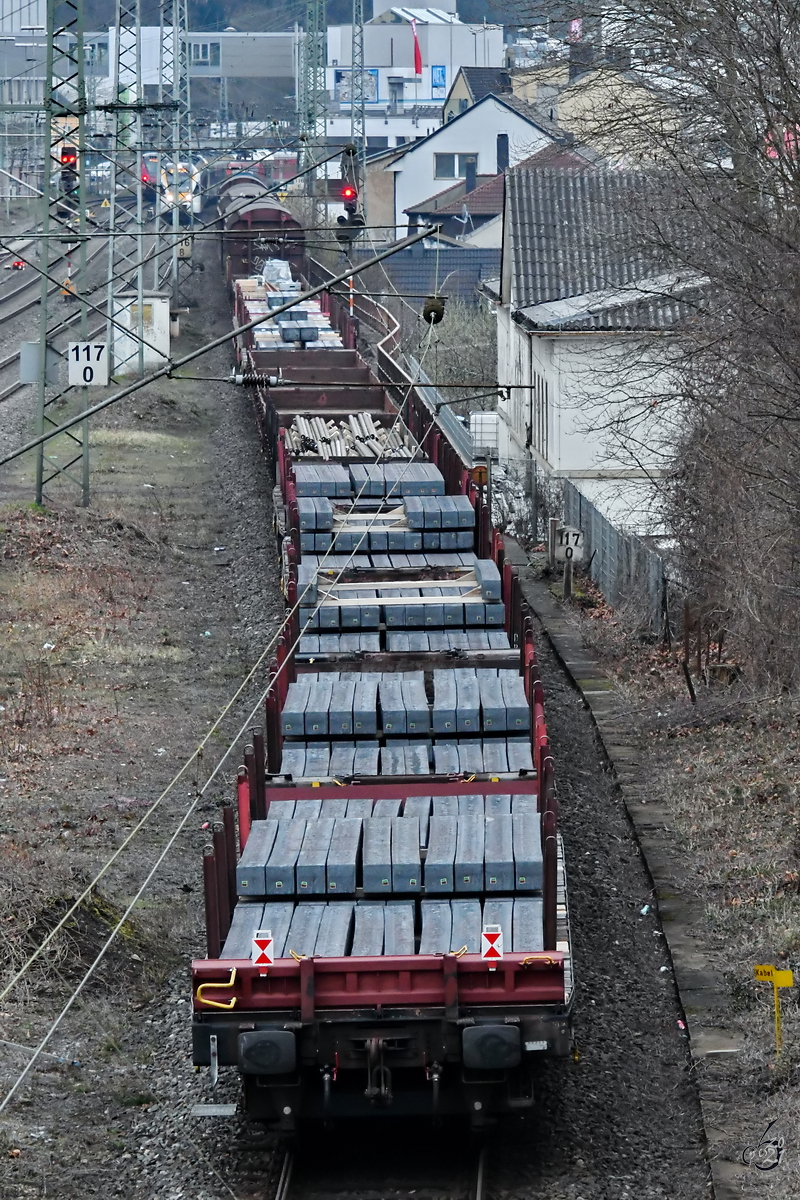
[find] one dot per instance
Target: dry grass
(75, 623)
(728, 772)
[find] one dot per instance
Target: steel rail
(285, 1177)
(223, 340)
(9, 361)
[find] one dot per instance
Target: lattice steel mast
(63, 217)
(125, 280)
(174, 91)
(313, 106)
(358, 120)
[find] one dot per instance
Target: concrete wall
(155, 332)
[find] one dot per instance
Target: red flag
(417, 51)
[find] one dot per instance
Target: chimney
(502, 153)
(581, 57)
(470, 178)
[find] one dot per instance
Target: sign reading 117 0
(88, 364)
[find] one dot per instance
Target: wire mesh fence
(625, 569)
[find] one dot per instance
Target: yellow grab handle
(204, 987)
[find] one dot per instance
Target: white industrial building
(20, 16)
(392, 84)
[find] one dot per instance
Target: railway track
(309, 1173)
(63, 326)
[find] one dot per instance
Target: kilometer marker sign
(263, 948)
(492, 943)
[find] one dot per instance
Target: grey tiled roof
(483, 80)
(586, 234)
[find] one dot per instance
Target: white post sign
(569, 544)
(88, 364)
(263, 953)
(492, 942)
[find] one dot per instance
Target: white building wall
(389, 51)
(398, 130)
(473, 133)
(488, 236)
(16, 16)
(592, 406)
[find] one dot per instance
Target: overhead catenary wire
(176, 778)
(172, 365)
(40, 1048)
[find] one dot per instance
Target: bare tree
(724, 206)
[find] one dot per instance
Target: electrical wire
(40, 1048)
(172, 365)
(179, 775)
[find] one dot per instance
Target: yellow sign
(772, 975)
(105, 204)
(779, 979)
(282, 196)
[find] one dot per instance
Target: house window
(205, 54)
(452, 166)
(540, 414)
(463, 105)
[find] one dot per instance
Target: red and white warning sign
(492, 942)
(263, 948)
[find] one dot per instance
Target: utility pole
(358, 120)
(313, 106)
(63, 217)
(125, 279)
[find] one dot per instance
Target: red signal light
(69, 156)
(349, 193)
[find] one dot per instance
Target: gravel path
(622, 1120)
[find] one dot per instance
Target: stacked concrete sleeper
(445, 736)
(349, 876)
(414, 876)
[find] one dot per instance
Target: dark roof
(560, 158)
(486, 200)
(482, 81)
(584, 254)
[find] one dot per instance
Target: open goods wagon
(255, 225)
(394, 937)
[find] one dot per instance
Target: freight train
(388, 930)
(255, 225)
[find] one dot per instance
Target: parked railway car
(255, 226)
(389, 933)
